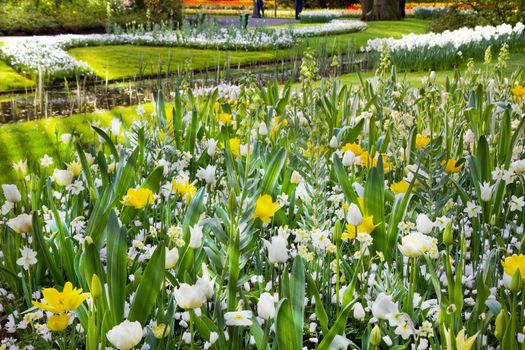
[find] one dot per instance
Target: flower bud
(515, 283)
(375, 336)
(333, 142)
(95, 287)
(499, 326)
(448, 237)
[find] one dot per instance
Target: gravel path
(254, 22)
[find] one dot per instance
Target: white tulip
(424, 224)
(354, 216)
(115, 127)
(263, 129)
(469, 136)
(359, 311)
(11, 193)
(212, 147)
(126, 335)
(238, 318)
(486, 192)
(383, 306)
(189, 296)
(296, 178)
(208, 174)
(348, 158)
(21, 224)
(205, 284)
(172, 257)
(333, 142)
(63, 177)
(415, 244)
(266, 306)
(195, 236)
(66, 138)
(277, 249)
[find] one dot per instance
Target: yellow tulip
(265, 208)
(354, 147)
(422, 141)
(58, 302)
(367, 226)
(513, 263)
(57, 323)
(184, 189)
(225, 118)
(400, 187)
(451, 166)
(235, 146)
(138, 198)
(462, 342)
(161, 330)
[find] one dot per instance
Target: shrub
(454, 18)
(320, 16)
(428, 12)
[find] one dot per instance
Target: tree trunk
(376, 10)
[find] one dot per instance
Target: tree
(374, 10)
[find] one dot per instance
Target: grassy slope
(14, 145)
(11, 80)
(125, 61)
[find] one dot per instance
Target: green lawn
(124, 61)
(11, 80)
(14, 145)
(127, 61)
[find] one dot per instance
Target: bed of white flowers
(447, 49)
(264, 217)
(49, 55)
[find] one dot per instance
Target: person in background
(260, 5)
(298, 8)
(402, 4)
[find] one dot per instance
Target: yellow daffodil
(184, 189)
(225, 118)
(265, 208)
(58, 302)
(57, 323)
(235, 146)
(138, 198)
(518, 92)
(422, 141)
(513, 263)
(451, 166)
(462, 342)
(367, 226)
(400, 187)
(354, 147)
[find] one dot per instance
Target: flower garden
(377, 209)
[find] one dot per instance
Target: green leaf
(344, 181)
(116, 268)
(284, 326)
(272, 172)
(336, 329)
(149, 287)
(297, 285)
